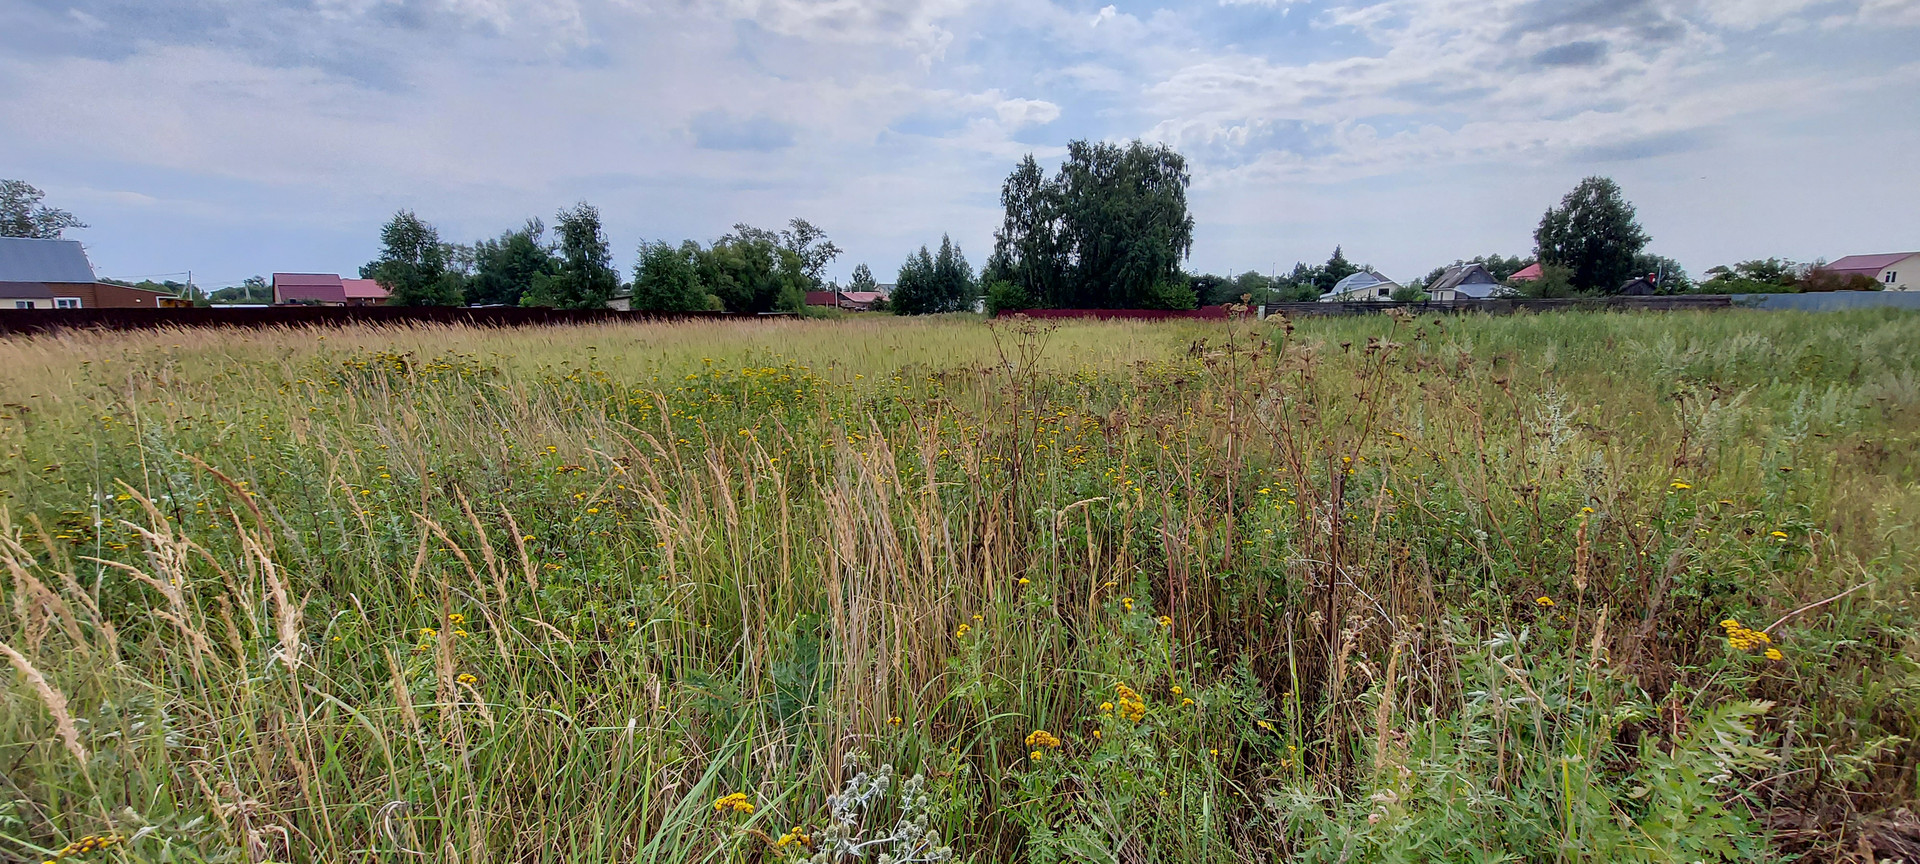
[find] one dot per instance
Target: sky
(242, 137)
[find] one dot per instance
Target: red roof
(862, 296)
(363, 289)
(316, 287)
(1870, 265)
(1525, 274)
(823, 298)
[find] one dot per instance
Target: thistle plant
(908, 840)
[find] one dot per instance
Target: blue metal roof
(24, 259)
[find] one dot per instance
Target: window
(1891, 276)
(23, 304)
(1383, 292)
(66, 302)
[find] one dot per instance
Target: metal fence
(1831, 301)
(1507, 306)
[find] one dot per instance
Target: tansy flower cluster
(793, 835)
(736, 802)
(1040, 740)
(82, 846)
(1744, 639)
(1131, 706)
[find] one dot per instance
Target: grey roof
(25, 259)
(1463, 274)
(1362, 279)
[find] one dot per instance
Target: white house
(1895, 271)
(1365, 286)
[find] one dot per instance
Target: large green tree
(22, 214)
(930, 283)
(752, 270)
(585, 278)
(811, 246)
(667, 279)
(413, 264)
(862, 279)
(1337, 268)
(505, 267)
(1593, 234)
(1108, 230)
(916, 289)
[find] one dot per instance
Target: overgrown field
(1586, 587)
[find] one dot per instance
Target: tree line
(749, 270)
(1109, 228)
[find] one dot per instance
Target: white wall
(1906, 273)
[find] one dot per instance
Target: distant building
(1641, 287)
(1895, 271)
(1526, 274)
(55, 274)
(853, 301)
(317, 289)
(364, 292)
(1364, 286)
(860, 301)
(1463, 282)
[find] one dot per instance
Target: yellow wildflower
(962, 632)
(1131, 706)
(1774, 654)
(736, 802)
(1042, 738)
(793, 836)
(1127, 602)
(1680, 484)
(467, 679)
(1544, 600)
(428, 632)
(456, 618)
(89, 843)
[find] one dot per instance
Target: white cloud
(1016, 113)
(891, 121)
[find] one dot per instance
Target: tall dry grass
(1354, 590)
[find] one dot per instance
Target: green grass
(1353, 590)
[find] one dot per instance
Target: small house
(55, 274)
(1463, 282)
(1895, 271)
(1528, 273)
(312, 289)
(364, 292)
(1365, 286)
(1640, 287)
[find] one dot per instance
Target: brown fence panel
(13, 321)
